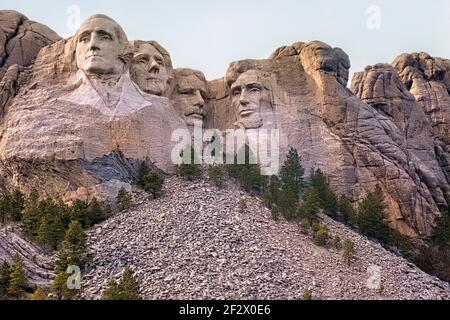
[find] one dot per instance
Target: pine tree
(124, 199)
(17, 205)
(126, 289)
(441, 232)
(5, 206)
(292, 173)
(19, 282)
(310, 207)
(39, 295)
(349, 251)
(288, 203)
(5, 279)
(80, 212)
(272, 195)
(143, 170)
(321, 237)
(189, 168)
(97, 211)
(73, 249)
(328, 199)
(346, 210)
(153, 183)
(60, 288)
(247, 174)
(371, 216)
(51, 227)
(218, 174)
(31, 216)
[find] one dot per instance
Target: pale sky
(208, 35)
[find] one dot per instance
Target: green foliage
(218, 174)
(321, 237)
(51, 228)
(31, 215)
(79, 212)
(153, 183)
(39, 295)
(275, 213)
(143, 170)
(18, 283)
(126, 289)
(305, 226)
(242, 205)
(441, 234)
(287, 203)
(73, 249)
(349, 251)
(124, 199)
(307, 295)
(337, 242)
(11, 206)
(60, 289)
(98, 211)
(292, 173)
(347, 213)
(371, 216)
(328, 199)
(190, 168)
(310, 207)
(248, 174)
(5, 279)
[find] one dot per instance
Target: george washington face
(99, 46)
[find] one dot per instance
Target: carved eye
(143, 61)
(106, 37)
(254, 90)
(236, 93)
(84, 39)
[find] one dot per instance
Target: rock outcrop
(38, 265)
(195, 243)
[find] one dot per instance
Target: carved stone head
(250, 98)
(151, 68)
(189, 95)
(101, 47)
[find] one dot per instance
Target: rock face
(38, 265)
(20, 42)
(91, 108)
(195, 243)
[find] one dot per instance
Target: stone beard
(148, 69)
(250, 100)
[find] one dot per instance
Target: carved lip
(196, 114)
(246, 112)
(93, 55)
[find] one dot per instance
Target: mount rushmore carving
(78, 120)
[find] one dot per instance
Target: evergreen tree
(288, 203)
(73, 249)
(60, 288)
(31, 216)
(349, 251)
(218, 174)
(5, 200)
(189, 168)
(5, 279)
(272, 195)
(321, 237)
(98, 211)
(247, 174)
(18, 283)
(51, 228)
(292, 173)
(371, 216)
(143, 170)
(124, 199)
(17, 205)
(153, 182)
(38, 295)
(310, 207)
(126, 289)
(441, 232)
(346, 211)
(328, 199)
(80, 212)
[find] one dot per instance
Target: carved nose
(200, 102)
(243, 100)
(154, 66)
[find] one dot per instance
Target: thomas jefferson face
(247, 94)
(189, 98)
(98, 47)
(149, 69)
